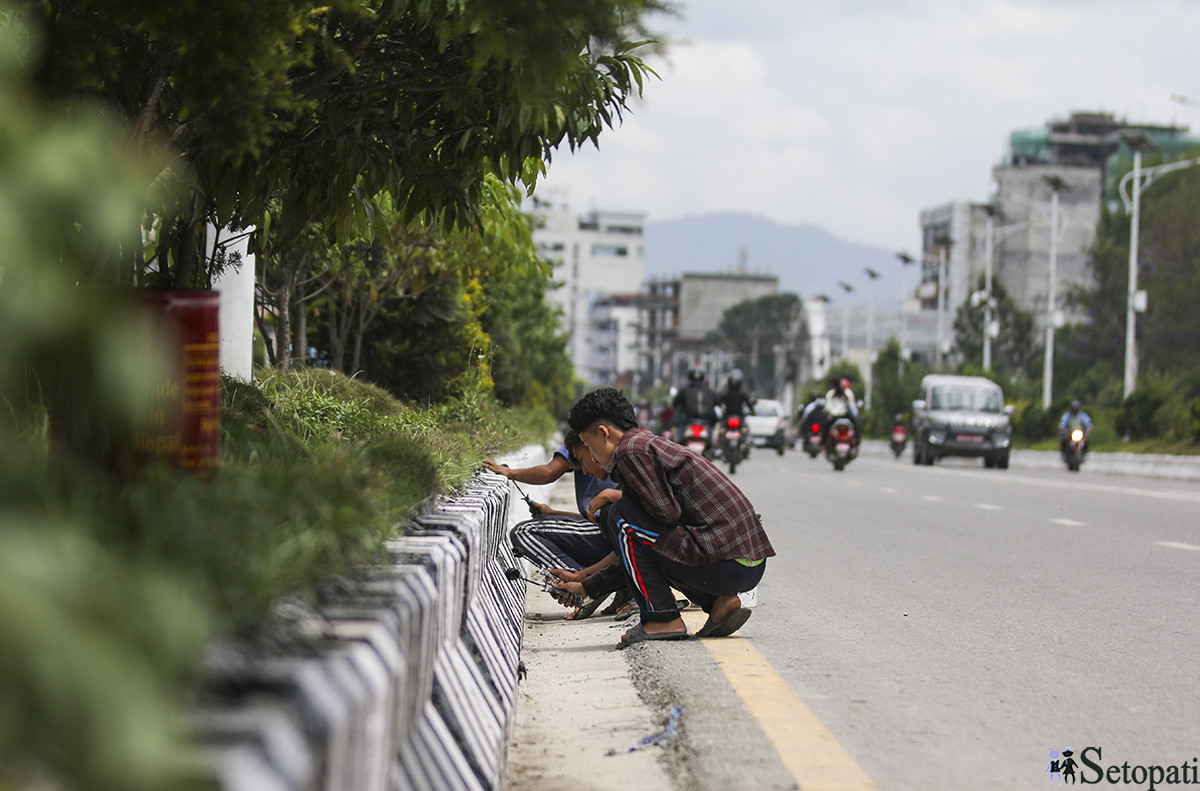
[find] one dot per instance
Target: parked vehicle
(1074, 448)
(899, 438)
(735, 443)
(841, 444)
(768, 425)
(961, 416)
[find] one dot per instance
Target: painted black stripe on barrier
(496, 668)
(410, 591)
(262, 727)
(502, 618)
(377, 627)
(499, 627)
(377, 718)
(444, 557)
(305, 686)
(509, 595)
(432, 761)
(470, 711)
(239, 767)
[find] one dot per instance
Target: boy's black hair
(606, 403)
(572, 441)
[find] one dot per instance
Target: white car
(768, 425)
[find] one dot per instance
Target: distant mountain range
(807, 259)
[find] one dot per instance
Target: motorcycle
(735, 442)
(899, 439)
(1076, 445)
(812, 438)
(841, 446)
(695, 437)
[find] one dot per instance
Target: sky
(853, 115)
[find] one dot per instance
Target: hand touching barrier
(404, 678)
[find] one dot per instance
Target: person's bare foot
(676, 626)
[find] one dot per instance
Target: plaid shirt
(712, 519)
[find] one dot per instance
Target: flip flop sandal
(638, 634)
(727, 625)
(587, 609)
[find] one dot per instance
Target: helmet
(843, 384)
(735, 378)
(1075, 406)
(696, 375)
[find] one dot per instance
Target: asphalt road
(953, 625)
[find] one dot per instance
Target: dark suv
(961, 416)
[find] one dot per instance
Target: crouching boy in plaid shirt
(676, 521)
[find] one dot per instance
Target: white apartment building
(597, 257)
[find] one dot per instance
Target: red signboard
(185, 425)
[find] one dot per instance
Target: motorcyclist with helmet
(812, 409)
(696, 402)
(1074, 418)
(735, 401)
(840, 402)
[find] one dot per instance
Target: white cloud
(854, 116)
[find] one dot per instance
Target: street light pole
(1131, 294)
(905, 260)
(941, 308)
(987, 290)
(849, 289)
(1056, 186)
(873, 275)
(1141, 179)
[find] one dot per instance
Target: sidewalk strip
(808, 750)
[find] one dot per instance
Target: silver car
(961, 416)
(768, 425)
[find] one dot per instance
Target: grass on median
(109, 594)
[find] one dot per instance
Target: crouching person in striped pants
(560, 540)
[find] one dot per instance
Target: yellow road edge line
(808, 750)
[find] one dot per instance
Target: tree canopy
(283, 112)
(1168, 333)
(1016, 349)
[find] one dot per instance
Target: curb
(403, 678)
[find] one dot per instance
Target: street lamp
(943, 243)
(940, 260)
(873, 275)
(905, 260)
(991, 328)
(1056, 185)
(1135, 301)
(849, 289)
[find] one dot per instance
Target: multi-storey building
(1078, 160)
(678, 314)
(596, 255)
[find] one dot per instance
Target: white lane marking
(989, 507)
(933, 498)
(1177, 545)
(1178, 495)
(1069, 522)
(887, 489)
